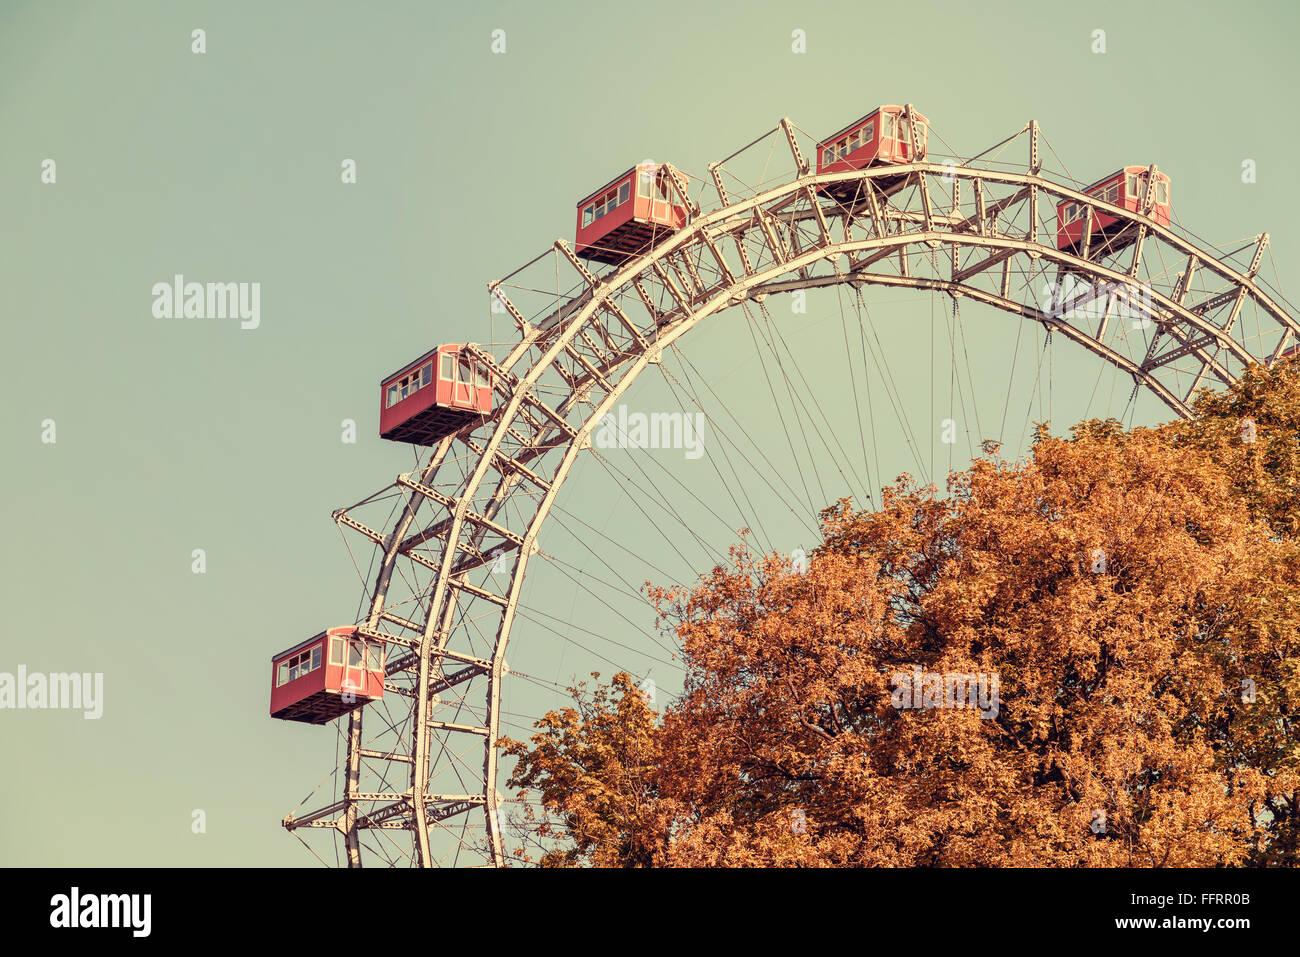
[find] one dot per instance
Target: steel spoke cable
(931, 423)
(800, 421)
(853, 382)
(954, 386)
(789, 494)
(871, 410)
(639, 628)
(970, 375)
(624, 589)
(617, 544)
(595, 634)
(666, 509)
(794, 457)
(892, 391)
(591, 651)
(1035, 390)
(688, 490)
(818, 408)
(753, 522)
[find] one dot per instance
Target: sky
(173, 436)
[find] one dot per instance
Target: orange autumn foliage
(1136, 595)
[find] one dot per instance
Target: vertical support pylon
(723, 198)
(1035, 167)
(921, 184)
(1148, 198)
(799, 161)
(352, 837)
(679, 187)
(420, 747)
(491, 797)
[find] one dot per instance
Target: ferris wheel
(499, 428)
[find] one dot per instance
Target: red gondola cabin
(1125, 188)
(326, 676)
(883, 137)
(434, 396)
(630, 214)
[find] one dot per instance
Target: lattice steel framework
(480, 498)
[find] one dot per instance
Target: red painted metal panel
(1070, 234)
(319, 695)
(879, 148)
(616, 219)
(282, 696)
(607, 221)
(456, 393)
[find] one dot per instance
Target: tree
(1127, 602)
(1253, 430)
(594, 766)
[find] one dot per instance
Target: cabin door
(462, 389)
(659, 207)
(354, 668)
